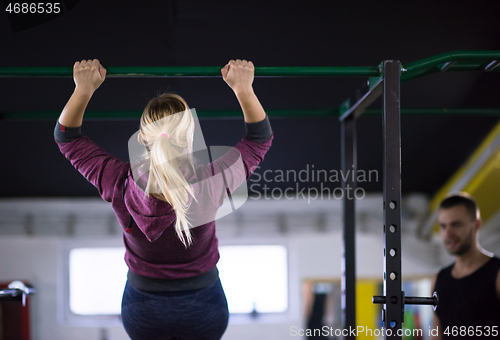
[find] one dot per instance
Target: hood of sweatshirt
(152, 215)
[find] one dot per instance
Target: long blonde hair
(170, 155)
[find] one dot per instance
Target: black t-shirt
(469, 301)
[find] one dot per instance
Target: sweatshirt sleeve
(240, 161)
(255, 145)
(64, 134)
(231, 167)
(260, 131)
(100, 168)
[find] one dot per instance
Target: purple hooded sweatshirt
(153, 249)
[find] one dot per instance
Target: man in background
(468, 289)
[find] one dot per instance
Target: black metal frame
(349, 163)
(394, 298)
(393, 311)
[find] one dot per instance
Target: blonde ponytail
(167, 128)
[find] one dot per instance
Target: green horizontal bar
(441, 112)
(99, 115)
(108, 115)
(451, 56)
(194, 71)
(464, 61)
(477, 60)
(455, 67)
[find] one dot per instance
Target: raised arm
(100, 168)
(238, 74)
(239, 162)
(88, 76)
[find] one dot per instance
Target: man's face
(457, 229)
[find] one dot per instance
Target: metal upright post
(393, 312)
(394, 298)
(349, 165)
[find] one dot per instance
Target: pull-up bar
(96, 115)
(193, 72)
(452, 61)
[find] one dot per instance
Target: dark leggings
(200, 314)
